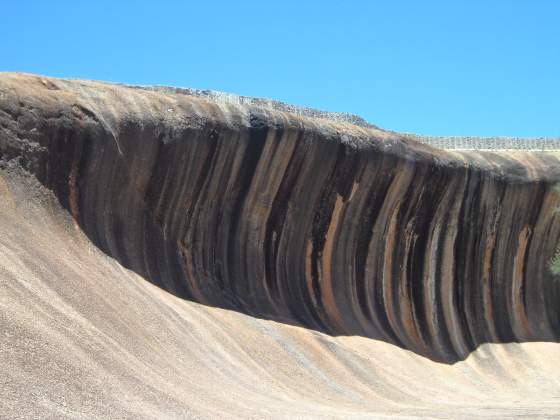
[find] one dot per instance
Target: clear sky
(468, 67)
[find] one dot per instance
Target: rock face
(344, 229)
(83, 338)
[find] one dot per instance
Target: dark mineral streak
(344, 229)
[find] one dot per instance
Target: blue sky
(429, 67)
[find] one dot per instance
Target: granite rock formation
(345, 229)
(81, 337)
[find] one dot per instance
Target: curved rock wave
(81, 337)
(344, 229)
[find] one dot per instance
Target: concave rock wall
(344, 229)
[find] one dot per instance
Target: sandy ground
(82, 337)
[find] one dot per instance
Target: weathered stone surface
(348, 230)
(344, 229)
(83, 338)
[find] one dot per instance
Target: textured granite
(343, 230)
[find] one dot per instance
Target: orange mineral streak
(521, 322)
(326, 273)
